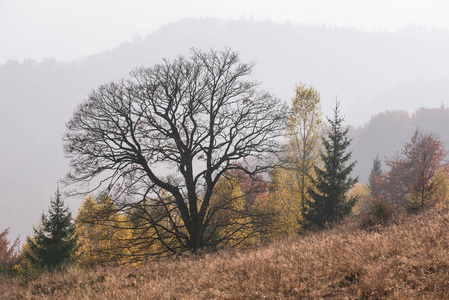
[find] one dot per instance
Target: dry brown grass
(406, 260)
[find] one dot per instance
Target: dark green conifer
(376, 172)
(330, 187)
(54, 243)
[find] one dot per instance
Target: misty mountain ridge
(370, 72)
(358, 67)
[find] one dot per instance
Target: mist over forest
(382, 80)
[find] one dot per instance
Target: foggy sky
(69, 30)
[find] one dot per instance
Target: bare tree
(160, 141)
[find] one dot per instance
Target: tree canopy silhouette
(159, 142)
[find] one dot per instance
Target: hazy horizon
(68, 31)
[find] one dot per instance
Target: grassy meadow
(407, 259)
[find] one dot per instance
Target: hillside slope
(405, 260)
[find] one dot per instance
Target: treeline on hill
(186, 157)
(394, 128)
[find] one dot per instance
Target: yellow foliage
(24, 269)
(363, 193)
(160, 214)
(229, 218)
(288, 197)
(303, 131)
(440, 196)
(436, 196)
(283, 204)
(103, 233)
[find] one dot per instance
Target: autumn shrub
(26, 272)
(8, 253)
(378, 211)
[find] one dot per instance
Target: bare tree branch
(178, 127)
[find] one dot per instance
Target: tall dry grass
(405, 260)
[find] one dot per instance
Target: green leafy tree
(54, 243)
(329, 190)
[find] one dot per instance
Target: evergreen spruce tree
(54, 243)
(330, 187)
(376, 172)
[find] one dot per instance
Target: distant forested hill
(387, 132)
(369, 72)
